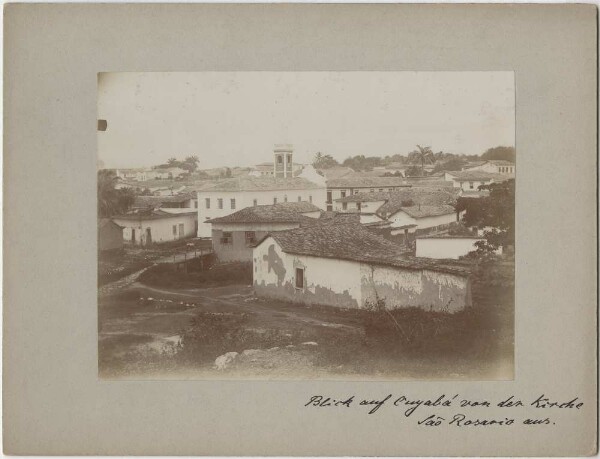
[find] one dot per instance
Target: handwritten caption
(455, 410)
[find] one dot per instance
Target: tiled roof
(355, 243)
(156, 201)
(428, 211)
(102, 222)
(394, 200)
(276, 213)
(153, 215)
(248, 183)
(361, 181)
(336, 172)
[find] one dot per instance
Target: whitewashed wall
(445, 247)
(161, 229)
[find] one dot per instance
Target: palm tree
(172, 161)
(110, 200)
(425, 155)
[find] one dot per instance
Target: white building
(473, 179)
(157, 226)
(495, 166)
(445, 246)
(223, 197)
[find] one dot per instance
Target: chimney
(283, 165)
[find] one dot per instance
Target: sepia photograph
(306, 225)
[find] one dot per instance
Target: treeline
(418, 158)
(190, 163)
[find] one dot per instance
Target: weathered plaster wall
(327, 281)
(429, 290)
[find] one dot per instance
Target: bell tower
(283, 161)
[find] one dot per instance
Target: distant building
(424, 218)
(221, 198)
(157, 226)
(346, 265)
(409, 210)
(234, 235)
(354, 184)
(473, 179)
(493, 166)
(110, 235)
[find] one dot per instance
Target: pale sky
(235, 118)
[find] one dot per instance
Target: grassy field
(174, 324)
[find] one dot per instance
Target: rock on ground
(225, 360)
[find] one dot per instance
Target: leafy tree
(172, 162)
(110, 200)
(454, 164)
(190, 163)
(496, 211)
(505, 153)
(322, 161)
(363, 163)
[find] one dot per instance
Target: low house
(494, 166)
(234, 235)
(110, 235)
(424, 218)
(473, 179)
(407, 210)
(157, 226)
(445, 246)
(348, 266)
(351, 184)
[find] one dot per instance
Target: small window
(390, 189)
(226, 238)
(232, 204)
(343, 193)
(372, 190)
(329, 196)
(174, 230)
(195, 204)
(274, 200)
(250, 237)
(285, 198)
(310, 199)
(358, 205)
(329, 207)
(255, 202)
(207, 200)
(279, 159)
(220, 203)
(355, 191)
(380, 190)
(299, 278)
(299, 199)
(289, 159)
(471, 185)
(344, 206)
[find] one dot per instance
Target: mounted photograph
(306, 225)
